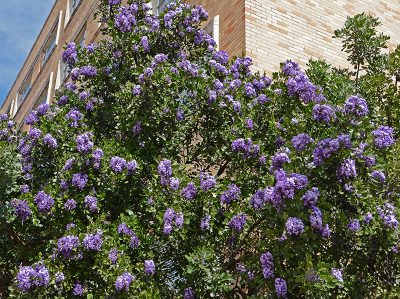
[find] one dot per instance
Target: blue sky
(20, 23)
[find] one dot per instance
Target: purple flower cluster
(346, 170)
(294, 226)
(281, 288)
(93, 241)
(149, 267)
(301, 142)
(70, 204)
(337, 273)
(83, 143)
(49, 141)
(113, 255)
(231, 194)
(171, 218)
(88, 71)
(327, 147)
(356, 106)
(354, 225)
(78, 289)
(118, 164)
(387, 214)
(246, 147)
(124, 281)
(74, 116)
(91, 204)
(125, 19)
(79, 180)
(310, 197)
(125, 230)
(165, 171)
(189, 192)
(299, 84)
(189, 294)
(70, 55)
(324, 113)
(279, 159)
(238, 222)
(43, 201)
(31, 277)
(67, 244)
(21, 208)
(267, 264)
(174, 183)
(378, 176)
(207, 181)
(383, 137)
(205, 222)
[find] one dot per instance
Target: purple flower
(310, 197)
(124, 281)
(383, 137)
(324, 113)
(180, 114)
(113, 255)
(144, 42)
(189, 192)
(79, 180)
(70, 204)
(118, 164)
(68, 164)
(231, 194)
(132, 166)
(238, 222)
(74, 116)
(88, 71)
(316, 219)
(34, 133)
(93, 241)
(29, 277)
(267, 265)
(346, 170)
(59, 277)
(125, 18)
(49, 141)
(165, 171)
(32, 118)
(205, 222)
(246, 147)
(137, 128)
(367, 218)
(21, 208)
(63, 100)
(354, 225)
(301, 142)
(24, 189)
(279, 159)
(91, 203)
(83, 143)
(42, 109)
(207, 181)
(189, 293)
(67, 244)
(70, 54)
(356, 106)
(179, 220)
(222, 57)
(387, 214)
(114, 2)
(78, 290)
(281, 288)
(149, 267)
(379, 176)
(174, 183)
(337, 273)
(294, 226)
(249, 123)
(325, 149)
(43, 201)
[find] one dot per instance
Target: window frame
(48, 48)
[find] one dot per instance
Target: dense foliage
(167, 170)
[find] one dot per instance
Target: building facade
(269, 31)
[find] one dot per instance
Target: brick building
(269, 31)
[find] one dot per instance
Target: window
(73, 4)
(212, 29)
(81, 36)
(63, 71)
(25, 88)
(161, 4)
(43, 97)
(50, 44)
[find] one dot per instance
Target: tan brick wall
(41, 73)
(302, 29)
(231, 23)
